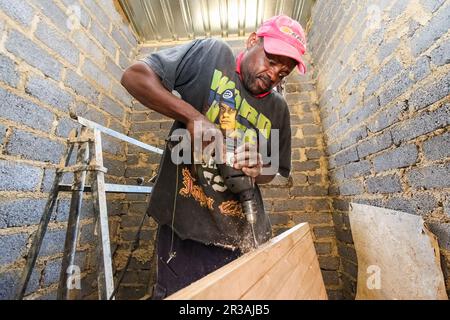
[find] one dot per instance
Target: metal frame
(104, 265)
(112, 188)
(38, 237)
(92, 125)
(89, 160)
(73, 222)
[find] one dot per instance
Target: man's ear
(252, 40)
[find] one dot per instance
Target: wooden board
(398, 258)
(284, 268)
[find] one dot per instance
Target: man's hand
(206, 139)
(248, 159)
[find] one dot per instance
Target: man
(201, 224)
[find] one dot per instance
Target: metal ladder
(89, 160)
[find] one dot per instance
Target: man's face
(262, 71)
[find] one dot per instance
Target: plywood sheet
(398, 258)
(286, 268)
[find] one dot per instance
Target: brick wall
(382, 74)
(58, 56)
(303, 198)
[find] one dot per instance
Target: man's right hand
(206, 140)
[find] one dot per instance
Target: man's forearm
(145, 85)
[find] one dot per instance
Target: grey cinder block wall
(56, 57)
(369, 124)
(383, 82)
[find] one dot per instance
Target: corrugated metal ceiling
(173, 20)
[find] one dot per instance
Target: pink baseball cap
(284, 36)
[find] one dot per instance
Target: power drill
(239, 183)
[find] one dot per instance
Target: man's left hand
(248, 159)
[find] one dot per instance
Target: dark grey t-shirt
(204, 73)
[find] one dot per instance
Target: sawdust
(247, 243)
(225, 246)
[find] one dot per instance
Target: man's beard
(251, 83)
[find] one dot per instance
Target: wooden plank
(308, 275)
(312, 281)
(312, 285)
(276, 278)
(301, 275)
(319, 292)
(279, 269)
(226, 283)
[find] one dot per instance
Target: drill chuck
(249, 211)
(248, 205)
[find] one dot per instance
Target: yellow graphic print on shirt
(225, 102)
(237, 119)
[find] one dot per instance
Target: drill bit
(249, 208)
(254, 236)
